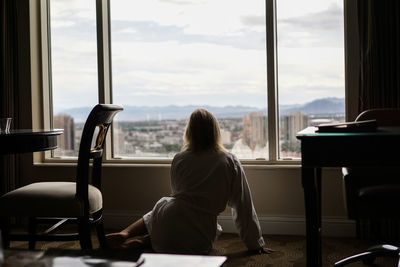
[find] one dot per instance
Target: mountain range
(323, 106)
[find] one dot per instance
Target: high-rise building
(119, 144)
(66, 142)
(291, 124)
(254, 128)
(253, 142)
(226, 136)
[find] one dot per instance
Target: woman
(204, 179)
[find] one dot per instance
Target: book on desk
(348, 127)
(40, 259)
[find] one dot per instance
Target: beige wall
(131, 190)
(276, 191)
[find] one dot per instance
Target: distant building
(253, 141)
(120, 147)
(255, 128)
(291, 124)
(226, 137)
(66, 141)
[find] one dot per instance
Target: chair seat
(380, 193)
(378, 202)
(48, 199)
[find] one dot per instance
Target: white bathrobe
(202, 185)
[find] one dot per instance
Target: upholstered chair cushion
(48, 199)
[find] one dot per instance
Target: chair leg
(32, 232)
(5, 232)
(369, 256)
(353, 258)
(100, 234)
(398, 260)
(84, 234)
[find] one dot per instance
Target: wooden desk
(318, 150)
(23, 141)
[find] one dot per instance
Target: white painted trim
(270, 225)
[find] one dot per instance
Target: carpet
(289, 251)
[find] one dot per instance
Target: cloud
(150, 31)
(127, 31)
(171, 68)
(222, 17)
(330, 19)
(253, 20)
(62, 23)
(197, 53)
(182, 2)
(73, 9)
(313, 29)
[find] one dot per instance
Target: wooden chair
(373, 193)
(77, 202)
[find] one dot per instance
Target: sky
(198, 52)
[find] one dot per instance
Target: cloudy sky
(198, 52)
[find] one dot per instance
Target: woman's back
(204, 180)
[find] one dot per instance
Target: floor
(289, 250)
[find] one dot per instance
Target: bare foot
(266, 250)
(116, 240)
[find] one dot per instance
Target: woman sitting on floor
(204, 179)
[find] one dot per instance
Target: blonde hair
(202, 132)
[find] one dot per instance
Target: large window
(73, 69)
(170, 57)
(310, 68)
(166, 58)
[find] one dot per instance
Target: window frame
(104, 65)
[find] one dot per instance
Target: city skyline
(245, 136)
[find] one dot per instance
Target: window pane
(170, 57)
(310, 67)
(73, 69)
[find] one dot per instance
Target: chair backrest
(383, 116)
(99, 118)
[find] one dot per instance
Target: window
(73, 69)
(167, 58)
(310, 68)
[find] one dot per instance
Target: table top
(380, 131)
(28, 140)
(376, 148)
(20, 132)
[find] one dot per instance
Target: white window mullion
(104, 61)
(103, 51)
(272, 80)
(352, 52)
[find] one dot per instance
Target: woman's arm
(243, 212)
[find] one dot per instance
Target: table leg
(319, 216)
(311, 181)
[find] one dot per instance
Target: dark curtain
(379, 30)
(379, 82)
(7, 53)
(15, 95)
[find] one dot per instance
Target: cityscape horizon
(321, 106)
(244, 132)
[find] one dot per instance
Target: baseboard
(272, 225)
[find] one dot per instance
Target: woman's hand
(262, 250)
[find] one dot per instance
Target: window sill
(166, 163)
